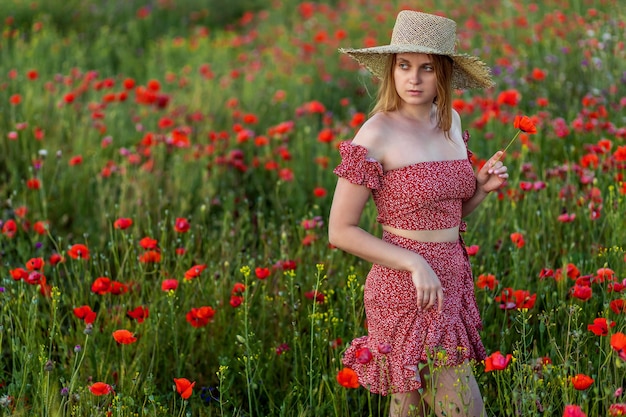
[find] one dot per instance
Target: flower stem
(507, 147)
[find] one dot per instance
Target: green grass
(241, 95)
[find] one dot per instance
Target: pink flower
(363, 355)
(384, 348)
(573, 411)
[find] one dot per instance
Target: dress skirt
(400, 337)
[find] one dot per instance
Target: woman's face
(415, 79)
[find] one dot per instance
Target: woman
(411, 156)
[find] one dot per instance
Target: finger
(419, 297)
(495, 167)
(431, 299)
(495, 158)
(440, 298)
(425, 300)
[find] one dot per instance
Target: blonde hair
(387, 98)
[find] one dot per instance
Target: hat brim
(468, 71)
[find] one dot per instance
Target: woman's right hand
(428, 287)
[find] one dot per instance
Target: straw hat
(429, 34)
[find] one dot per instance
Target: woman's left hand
(492, 175)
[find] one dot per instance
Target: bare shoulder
(372, 135)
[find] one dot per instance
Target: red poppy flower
(153, 85)
(509, 97)
(472, 250)
(85, 313)
(525, 124)
(238, 288)
(139, 313)
(21, 211)
(123, 223)
(600, 326)
(124, 337)
(617, 286)
(78, 251)
(9, 228)
(15, 99)
(288, 265)
(309, 239)
(604, 274)
(582, 292)
(181, 225)
(487, 281)
(100, 388)
(194, 271)
(507, 299)
(497, 362)
(250, 119)
(235, 301)
(546, 273)
(262, 273)
(101, 285)
(118, 288)
(76, 160)
(18, 274)
(33, 184)
(151, 256)
(320, 192)
(347, 378)
(524, 299)
(129, 83)
(184, 387)
(35, 264)
(326, 136)
(148, 243)
(518, 239)
(538, 74)
(357, 119)
(319, 297)
(572, 271)
(618, 306)
(581, 381)
(55, 258)
(618, 343)
(169, 285)
(363, 355)
(41, 227)
(200, 317)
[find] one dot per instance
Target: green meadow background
(212, 128)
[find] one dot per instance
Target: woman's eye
(428, 68)
(403, 66)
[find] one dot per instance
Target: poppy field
(165, 182)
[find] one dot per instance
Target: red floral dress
(422, 196)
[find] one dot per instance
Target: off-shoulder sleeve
(357, 168)
(466, 138)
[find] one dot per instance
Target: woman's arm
(344, 232)
(489, 178)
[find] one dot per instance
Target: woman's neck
(419, 114)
